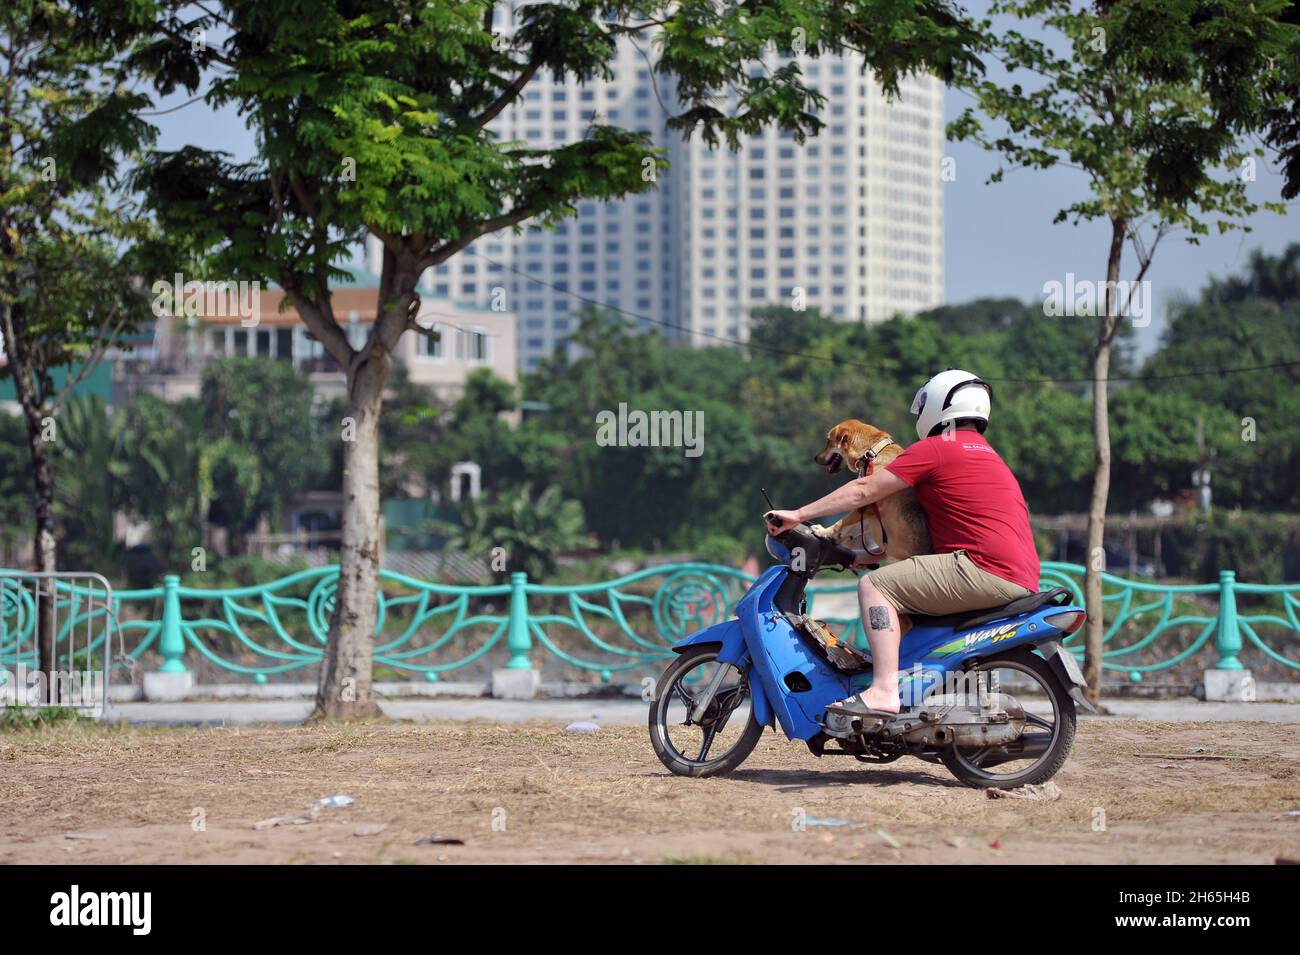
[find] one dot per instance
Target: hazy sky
(1000, 240)
(999, 237)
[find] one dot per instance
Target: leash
(869, 542)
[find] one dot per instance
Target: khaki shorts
(937, 584)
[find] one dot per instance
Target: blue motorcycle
(990, 694)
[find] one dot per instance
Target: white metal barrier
(75, 614)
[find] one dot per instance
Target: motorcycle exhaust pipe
(1028, 749)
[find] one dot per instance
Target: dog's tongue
(830, 469)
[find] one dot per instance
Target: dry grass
(531, 793)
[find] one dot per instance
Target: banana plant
(516, 530)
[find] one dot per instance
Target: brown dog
(904, 533)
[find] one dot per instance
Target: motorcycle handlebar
(822, 550)
(843, 556)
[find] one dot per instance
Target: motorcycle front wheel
(724, 735)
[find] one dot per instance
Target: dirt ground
(533, 794)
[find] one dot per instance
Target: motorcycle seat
(975, 618)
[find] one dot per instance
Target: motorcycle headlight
(777, 550)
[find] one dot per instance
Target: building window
(474, 346)
(426, 347)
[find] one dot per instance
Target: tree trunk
(46, 560)
(1095, 556)
(346, 684)
(26, 384)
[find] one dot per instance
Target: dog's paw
(819, 530)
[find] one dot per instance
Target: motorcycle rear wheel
(672, 694)
(974, 767)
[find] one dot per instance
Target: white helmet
(952, 395)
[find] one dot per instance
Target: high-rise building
(849, 223)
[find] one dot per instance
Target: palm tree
(85, 494)
(166, 473)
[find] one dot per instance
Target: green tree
(1284, 115)
(647, 496)
(412, 435)
(1155, 446)
(1123, 92)
(372, 118)
(258, 420)
(86, 457)
(1043, 434)
(422, 438)
(1268, 278)
(65, 278)
(166, 473)
(15, 482)
(519, 530)
(478, 431)
(1250, 420)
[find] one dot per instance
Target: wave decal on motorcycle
(966, 641)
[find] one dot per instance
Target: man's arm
(857, 493)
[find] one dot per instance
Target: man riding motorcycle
(984, 554)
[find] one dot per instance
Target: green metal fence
(428, 629)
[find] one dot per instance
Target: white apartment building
(850, 223)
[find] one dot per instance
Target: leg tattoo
(879, 617)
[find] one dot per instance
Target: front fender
(729, 637)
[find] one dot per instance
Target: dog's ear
(857, 439)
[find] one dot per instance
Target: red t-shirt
(972, 502)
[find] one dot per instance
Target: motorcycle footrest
(846, 725)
